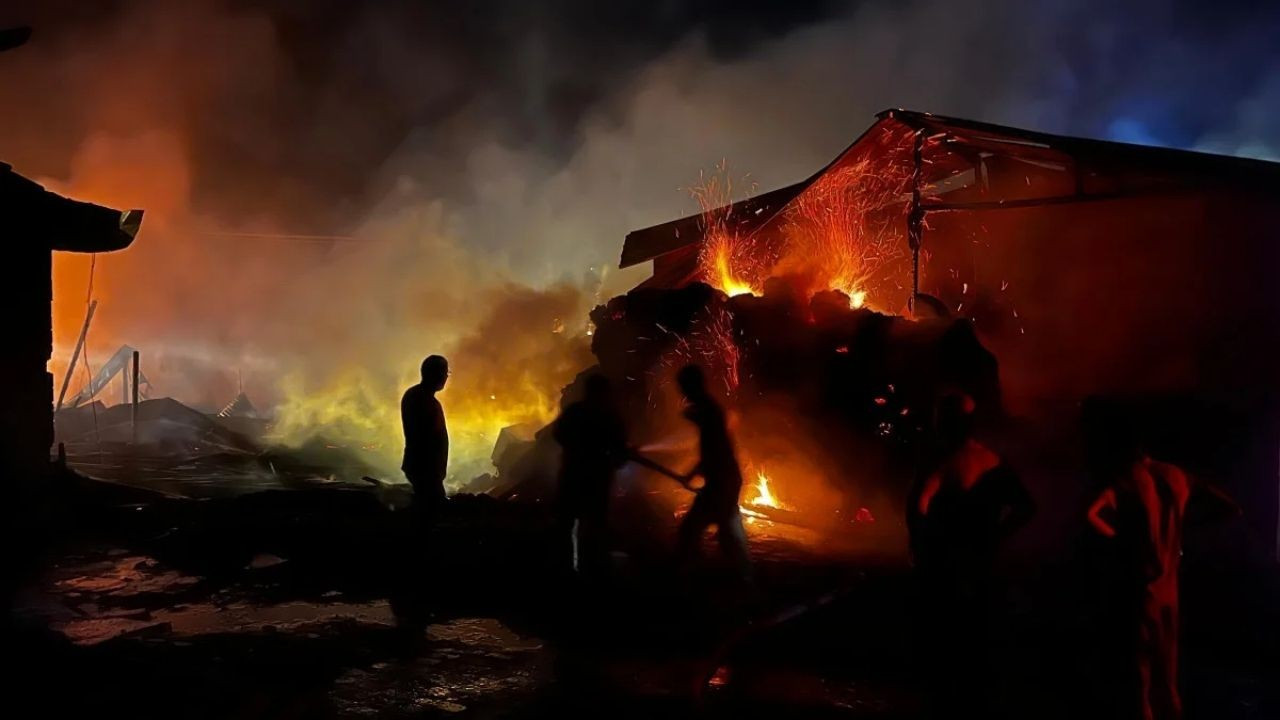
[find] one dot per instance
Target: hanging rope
(88, 373)
(915, 218)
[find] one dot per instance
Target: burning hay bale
(833, 402)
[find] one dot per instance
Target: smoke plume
(333, 195)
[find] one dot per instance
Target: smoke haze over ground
(481, 161)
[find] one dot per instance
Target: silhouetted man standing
(426, 456)
(426, 440)
(593, 441)
(717, 501)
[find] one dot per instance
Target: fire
(725, 280)
(835, 235)
(764, 497)
(358, 411)
(857, 296)
(509, 371)
(730, 261)
(710, 344)
(764, 494)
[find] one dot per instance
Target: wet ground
(287, 604)
(152, 633)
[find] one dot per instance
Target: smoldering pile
(834, 403)
(175, 449)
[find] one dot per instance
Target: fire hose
(645, 462)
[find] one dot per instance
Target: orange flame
(833, 236)
(725, 280)
(764, 495)
(729, 261)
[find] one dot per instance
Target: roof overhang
(29, 213)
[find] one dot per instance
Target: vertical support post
(75, 356)
(134, 413)
(915, 218)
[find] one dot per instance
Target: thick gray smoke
(477, 153)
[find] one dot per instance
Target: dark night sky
(354, 79)
(318, 96)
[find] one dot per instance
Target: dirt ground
(293, 604)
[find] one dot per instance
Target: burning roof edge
(648, 243)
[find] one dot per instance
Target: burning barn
(1086, 267)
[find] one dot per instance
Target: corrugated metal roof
(1083, 155)
(1108, 152)
(746, 215)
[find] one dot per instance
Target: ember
(841, 233)
(727, 260)
(397, 222)
(810, 421)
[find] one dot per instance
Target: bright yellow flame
(764, 495)
(725, 279)
(857, 296)
(726, 259)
